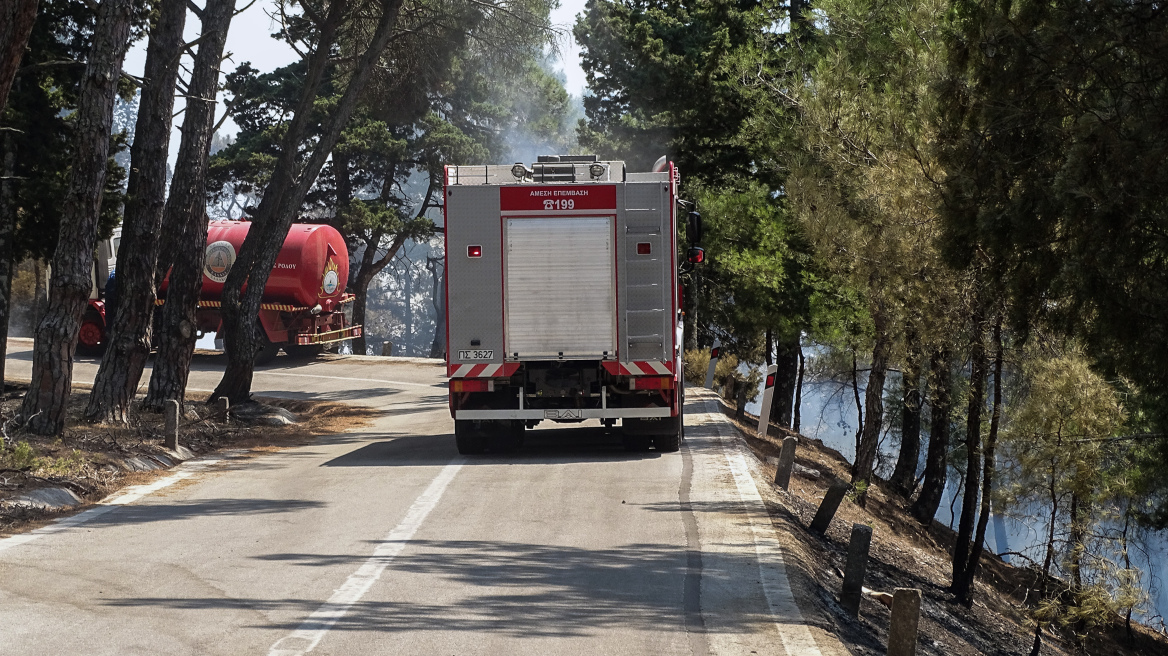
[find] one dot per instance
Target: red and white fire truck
(563, 300)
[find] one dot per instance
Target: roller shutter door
(559, 288)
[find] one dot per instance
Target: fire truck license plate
(476, 355)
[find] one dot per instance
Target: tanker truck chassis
(563, 301)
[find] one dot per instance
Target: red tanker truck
(303, 304)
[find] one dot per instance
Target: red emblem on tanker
(331, 280)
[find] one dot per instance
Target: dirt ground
(904, 554)
(92, 459)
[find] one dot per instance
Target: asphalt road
(384, 540)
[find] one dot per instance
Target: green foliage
(666, 77)
(697, 363)
(1053, 145)
(1058, 456)
(38, 122)
(21, 456)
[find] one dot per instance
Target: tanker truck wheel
(267, 351)
(91, 338)
(304, 351)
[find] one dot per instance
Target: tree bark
(988, 468)
(787, 359)
(862, 470)
(129, 335)
(7, 240)
(973, 465)
(16, 21)
(1036, 648)
(288, 187)
(937, 457)
(186, 215)
(904, 476)
(43, 408)
(859, 403)
(438, 346)
(797, 419)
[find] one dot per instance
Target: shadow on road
(513, 589)
(541, 447)
(182, 510)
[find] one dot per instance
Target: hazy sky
(250, 40)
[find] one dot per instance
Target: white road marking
(124, 497)
(797, 639)
(359, 380)
(305, 638)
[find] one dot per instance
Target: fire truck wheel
(507, 440)
(637, 443)
(468, 439)
(668, 443)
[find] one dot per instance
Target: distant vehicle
(563, 300)
(303, 303)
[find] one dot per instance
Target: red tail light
(651, 383)
(471, 385)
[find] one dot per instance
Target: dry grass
(906, 554)
(89, 458)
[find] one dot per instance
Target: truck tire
(637, 443)
(469, 440)
(669, 443)
(303, 352)
(267, 350)
(91, 337)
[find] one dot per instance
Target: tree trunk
(129, 335)
(43, 409)
(973, 464)
(904, 476)
(16, 21)
(796, 421)
(859, 404)
(40, 296)
(987, 475)
(862, 470)
(937, 458)
(185, 215)
(1036, 648)
(787, 359)
(438, 346)
(365, 274)
(7, 241)
(289, 186)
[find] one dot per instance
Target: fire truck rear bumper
(565, 413)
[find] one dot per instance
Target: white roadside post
(768, 392)
(715, 353)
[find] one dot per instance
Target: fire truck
(563, 301)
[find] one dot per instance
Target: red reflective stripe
(770, 381)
